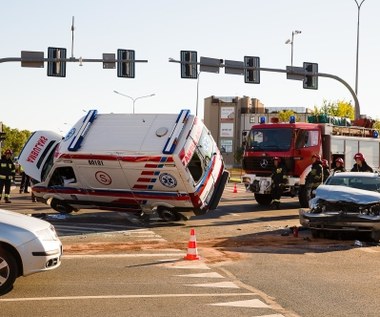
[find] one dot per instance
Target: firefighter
(278, 177)
(325, 169)
(360, 165)
(315, 176)
(7, 174)
(339, 165)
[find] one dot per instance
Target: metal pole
(357, 46)
(291, 49)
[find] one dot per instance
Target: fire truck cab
(295, 143)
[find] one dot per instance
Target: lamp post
(133, 99)
(291, 42)
(357, 47)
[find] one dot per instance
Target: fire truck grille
(258, 165)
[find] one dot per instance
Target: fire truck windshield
(269, 139)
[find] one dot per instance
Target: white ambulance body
(142, 163)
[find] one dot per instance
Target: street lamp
(133, 99)
(291, 42)
(357, 47)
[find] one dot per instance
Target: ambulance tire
(263, 199)
(61, 208)
(303, 196)
(168, 215)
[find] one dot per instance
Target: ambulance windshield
(202, 156)
(48, 165)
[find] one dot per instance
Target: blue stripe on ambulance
(171, 143)
(78, 138)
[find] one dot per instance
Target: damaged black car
(348, 202)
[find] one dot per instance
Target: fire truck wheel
(263, 199)
(168, 215)
(61, 208)
(303, 196)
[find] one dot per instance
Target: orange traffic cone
(235, 189)
(192, 252)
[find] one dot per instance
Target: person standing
(315, 176)
(360, 164)
(339, 165)
(278, 176)
(7, 174)
(326, 169)
(25, 181)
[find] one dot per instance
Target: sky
(158, 30)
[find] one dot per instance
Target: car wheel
(8, 271)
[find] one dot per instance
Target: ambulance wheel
(61, 208)
(263, 199)
(168, 215)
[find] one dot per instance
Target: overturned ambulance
(141, 163)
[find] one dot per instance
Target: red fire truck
(295, 143)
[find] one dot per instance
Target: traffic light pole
(69, 60)
(297, 73)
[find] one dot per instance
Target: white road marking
(217, 285)
(203, 275)
(253, 303)
(30, 299)
(188, 265)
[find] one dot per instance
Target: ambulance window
(62, 176)
(195, 167)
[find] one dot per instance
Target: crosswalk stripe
(253, 303)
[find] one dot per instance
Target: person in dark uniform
(361, 165)
(339, 165)
(25, 181)
(326, 169)
(315, 176)
(278, 177)
(7, 174)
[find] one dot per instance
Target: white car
(27, 245)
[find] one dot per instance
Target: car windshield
(366, 181)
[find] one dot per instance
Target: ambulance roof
(123, 133)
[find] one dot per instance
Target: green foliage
(284, 115)
(339, 108)
(14, 140)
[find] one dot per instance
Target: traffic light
(310, 82)
(251, 76)
(56, 68)
(126, 67)
(189, 68)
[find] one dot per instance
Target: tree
(14, 139)
(284, 115)
(339, 108)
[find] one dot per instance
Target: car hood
(335, 193)
(10, 218)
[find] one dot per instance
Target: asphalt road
(116, 265)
